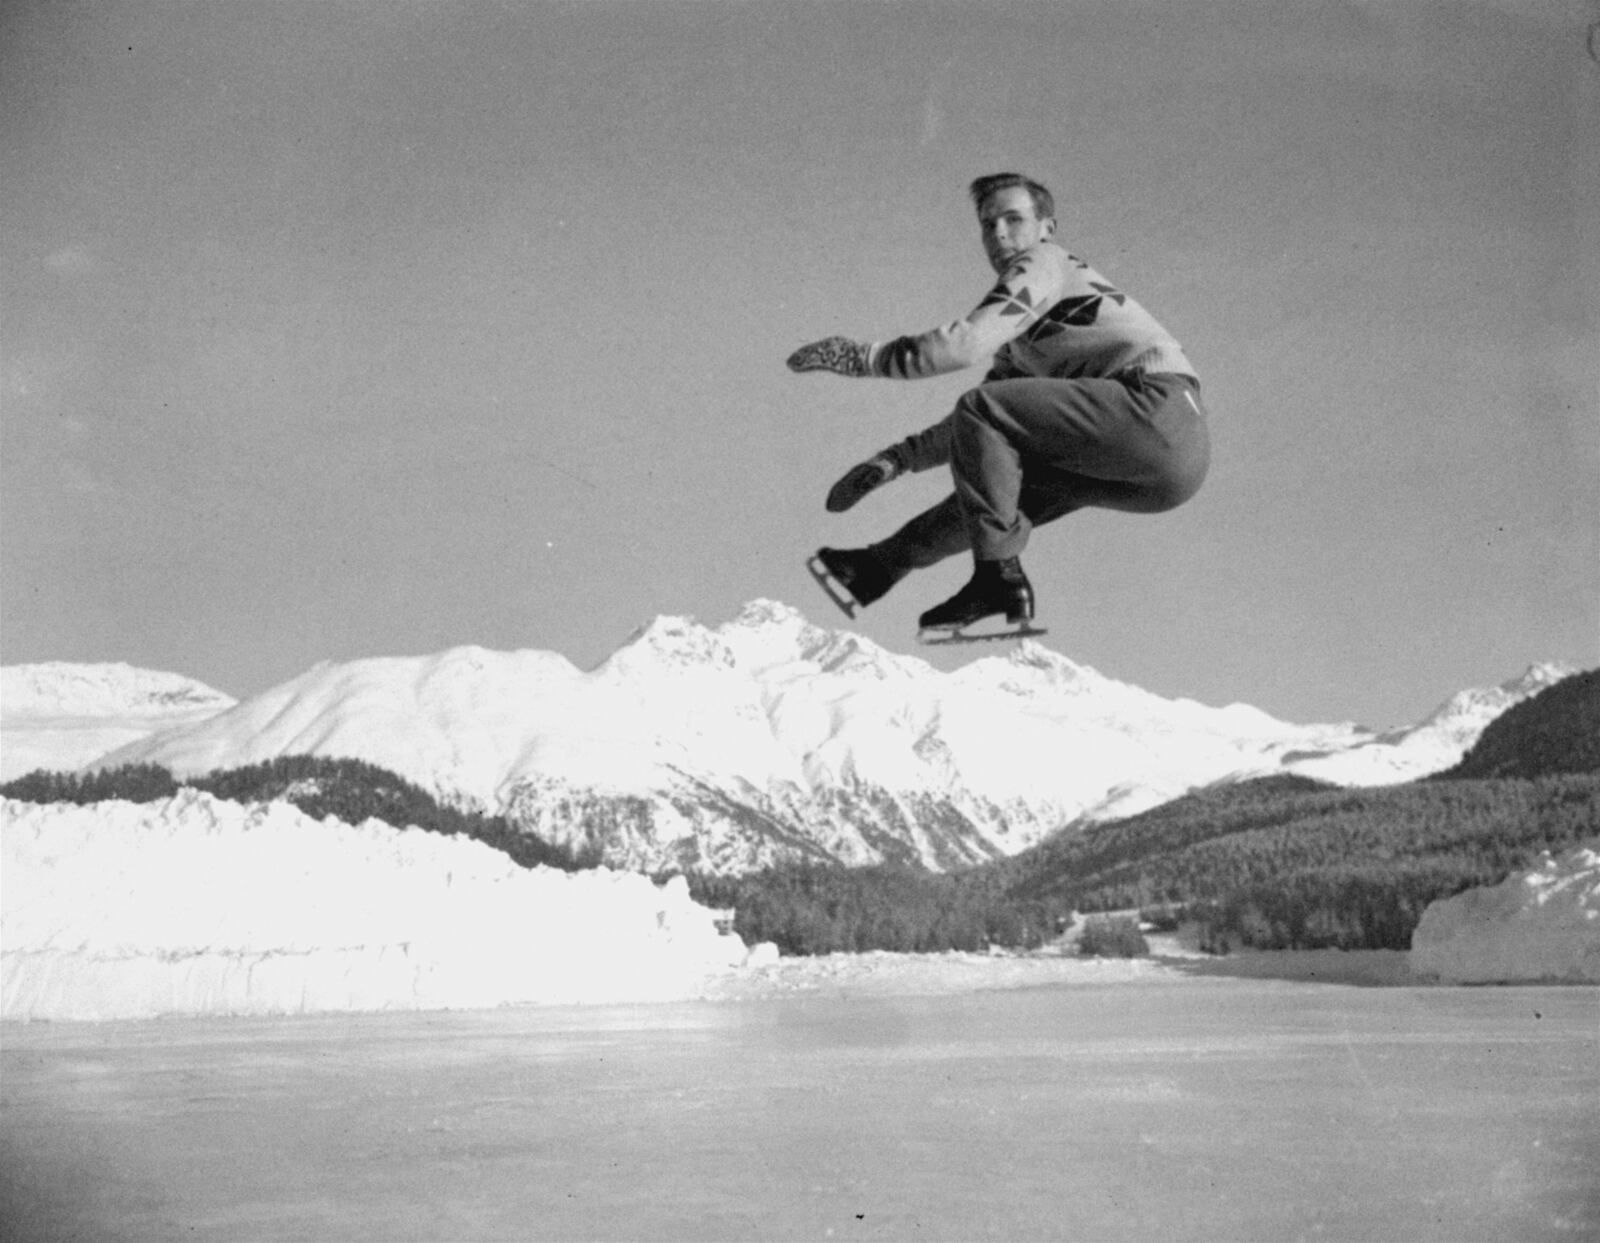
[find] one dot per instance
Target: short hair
(983, 187)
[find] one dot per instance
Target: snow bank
(1544, 925)
(197, 906)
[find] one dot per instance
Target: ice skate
(852, 578)
(996, 587)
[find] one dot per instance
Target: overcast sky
(336, 330)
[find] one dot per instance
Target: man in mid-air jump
(1089, 402)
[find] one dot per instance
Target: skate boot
(852, 577)
(995, 587)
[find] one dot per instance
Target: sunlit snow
(690, 737)
(200, 906)
(60, 715)
(197, 906)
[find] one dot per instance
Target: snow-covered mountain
(768, 737)
(61, 715)
(1436, 743)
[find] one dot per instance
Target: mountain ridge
(768, 738)
(62, 714)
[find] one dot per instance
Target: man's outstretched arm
(1026, 289)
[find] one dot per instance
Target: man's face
(1010, 225)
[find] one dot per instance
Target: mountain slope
(1556, 731)
(61, 715)
(1434, 743)
(763, 739)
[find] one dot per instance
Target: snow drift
(1543, 925)
(197, 906)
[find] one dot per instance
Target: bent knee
(1169, 490)
(1186, 469)
(1178, 489)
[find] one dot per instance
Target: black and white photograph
(800, 620)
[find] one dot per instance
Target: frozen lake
(1182, 1107)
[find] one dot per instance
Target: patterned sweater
(1050, 315)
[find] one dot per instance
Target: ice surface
(1543, 925)
(1180, 1109)
(198, 906)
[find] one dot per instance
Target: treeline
(132, 783)
(348, 789)
(810, 908)
(1335, 908)
(1121, 850)
(1270, 868)
(1280, 863)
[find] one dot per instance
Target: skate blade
(942, 638)
(832, 587)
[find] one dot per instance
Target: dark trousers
(1026, 452)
